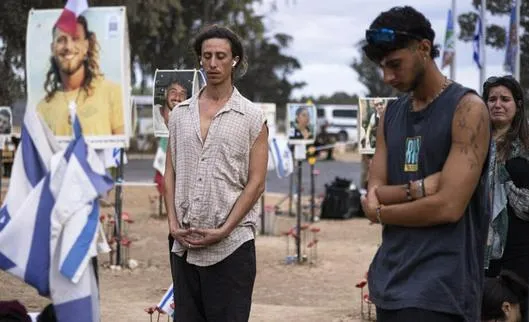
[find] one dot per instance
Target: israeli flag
(476, 42)
(50, 219)
(282, 157)
(166, 301)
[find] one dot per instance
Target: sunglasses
(494, 80)
(387, 36)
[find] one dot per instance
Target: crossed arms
(448, 192)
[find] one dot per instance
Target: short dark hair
(404, 19)
(507, 287)
(216, 31)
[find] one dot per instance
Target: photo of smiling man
(171, 87)
(84, 73)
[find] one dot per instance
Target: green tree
(335, 98)
(160, 33)
(371, 76)
(496, 35)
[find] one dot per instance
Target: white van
(341, 121)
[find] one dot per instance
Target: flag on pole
(50, 219)
(166, 301)
(478, 34)
(159, 164)
(282, 157)
(67, 21)
(512, 42)
(449, 50)
(159, 157)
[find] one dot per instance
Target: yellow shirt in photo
(101, 113)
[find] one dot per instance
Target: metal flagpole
(517, 66)
(453, 64)
(482, 42)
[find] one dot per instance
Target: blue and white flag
(166, 301)
(512, 48)
(282, 157)
(478, 34)
(50, 219)
(112, 157)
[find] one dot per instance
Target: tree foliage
(496, 34)
(371, 76)
(160, 33)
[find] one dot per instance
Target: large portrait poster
(370, 109)
(301, 123)
(171, 87)
(88, 72)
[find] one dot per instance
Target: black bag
(341, 202)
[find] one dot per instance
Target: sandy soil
(324, 291)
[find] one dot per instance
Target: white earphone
(234, 63)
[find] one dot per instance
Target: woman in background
(509, 243)
(504, 298)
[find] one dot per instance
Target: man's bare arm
(256, 182)
(459, 176)
(377, 178)
(390, 195)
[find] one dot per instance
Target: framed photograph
(370, 109)
(301, 123)
(88, 73)
(6, 122)
(171, 87)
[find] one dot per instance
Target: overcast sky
(325, 33)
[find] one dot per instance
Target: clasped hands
(192, 238)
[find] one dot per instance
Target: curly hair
(406, 19)
(237, 49)
(91, 65)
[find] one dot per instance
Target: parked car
(341, 121)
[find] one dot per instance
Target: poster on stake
(100, 54)
(172, 87)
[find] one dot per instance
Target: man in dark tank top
(428, 182)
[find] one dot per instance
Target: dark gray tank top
(436, 268)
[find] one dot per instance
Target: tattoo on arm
(468, 143)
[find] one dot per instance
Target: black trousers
(415, 315)
(216, 293)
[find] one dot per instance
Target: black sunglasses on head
(387, 36)
(494, 80)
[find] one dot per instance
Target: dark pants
(415, 315)
(172, 256)
(216, 293)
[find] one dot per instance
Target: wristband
(408, 191)
(379, 208)
(420, 188)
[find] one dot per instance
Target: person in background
(504, 298)
(428, 181)
(509, 243)
(215, 173)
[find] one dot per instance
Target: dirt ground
(324, 291)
